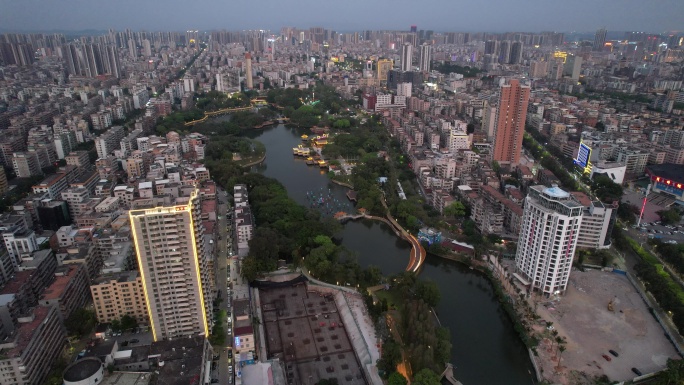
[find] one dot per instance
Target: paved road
(221, 282)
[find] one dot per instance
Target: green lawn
(393, 297)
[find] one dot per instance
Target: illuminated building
(560, 55)
(173, 265)
(667, 179)
(384, 66)
(510, 122)
(547, 241)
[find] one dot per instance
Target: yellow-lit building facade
(173, 265)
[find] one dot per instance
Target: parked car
(134, 341)
(613, 352)
(636, 371)
(607, 357)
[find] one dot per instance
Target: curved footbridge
(418, 253)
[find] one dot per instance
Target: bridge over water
(418, 253)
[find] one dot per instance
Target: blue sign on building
(583, 155)
(670, 189)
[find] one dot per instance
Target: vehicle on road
(636, 371)
(134, 341)
(613, 352)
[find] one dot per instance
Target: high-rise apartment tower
(600, 39)
(510, 122)
(406, 57)
(425, 57)
(248, 71)
(173, 265)
(548, 237)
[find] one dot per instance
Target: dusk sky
(349, 15)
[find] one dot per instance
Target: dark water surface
(486, 350)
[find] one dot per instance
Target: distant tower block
(248, 71)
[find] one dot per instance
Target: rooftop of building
(124, 276)
(241, 307)
(182, 371)
(82, 369)
(25, 331)
(35, 260)
(101, 348)
(6, 299)
(668, 171)
(61, 282)
(127, 378)
(556, 192)
(173, 349)
(582, 198)
(50, 180)
(132, 355)
(209, 205)
(14, 285)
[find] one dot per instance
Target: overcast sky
(344, 15)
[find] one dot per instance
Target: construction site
(304, 330)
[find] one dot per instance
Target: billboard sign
(583, 156)
(670, 188)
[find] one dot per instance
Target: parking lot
(663, 232)
(583, 317)
(130, 339)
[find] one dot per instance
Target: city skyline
(528, 15)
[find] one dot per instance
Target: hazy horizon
(494, 16)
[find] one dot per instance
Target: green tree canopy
(670, 217)
(425, 377)
(428, 292)
(128, 322)
(80, 322)
(391, 356)
(396, 378)
(456, 209)
(605, 189)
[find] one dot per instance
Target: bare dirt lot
(583, 318)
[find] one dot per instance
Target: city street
(224, 376)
